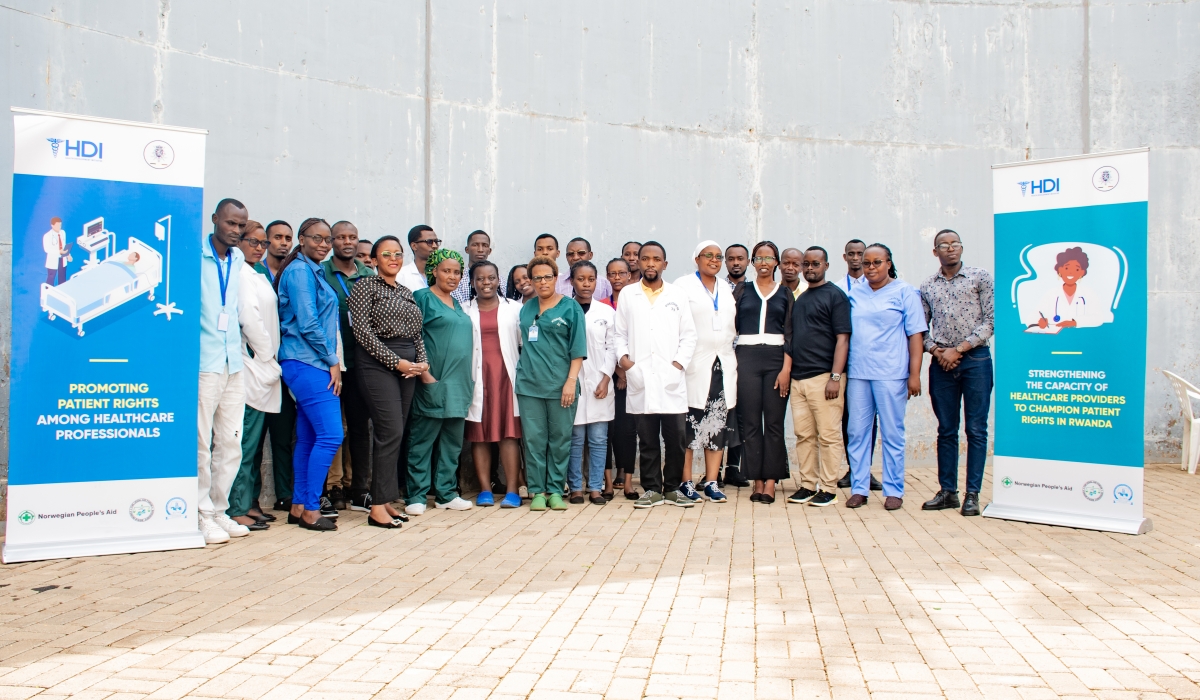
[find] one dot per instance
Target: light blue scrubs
(882, 321)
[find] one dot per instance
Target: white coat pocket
(634, 378)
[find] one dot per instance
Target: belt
(761, 339)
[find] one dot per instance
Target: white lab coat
(1056, 303)
(600, 362)
(710, 344)
(52, 242)
(653, 337)
(258, 313)
(508, 322)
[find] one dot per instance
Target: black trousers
(622, 436)
(358, 429)
(282, 430)
(657, 476)
(761, 410)
(388, 397)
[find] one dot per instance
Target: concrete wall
(799, 121)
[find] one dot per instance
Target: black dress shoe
(876, 485)
(389, 525)
(401, 517)
(257, 526)
(281, 504)
(944, 500)
(265, 518)
(970, 504)
(322, 525)
(733, 477)
(844, 482)
(293, 520)
(766, 498)
(755, 497)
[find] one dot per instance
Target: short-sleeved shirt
(546, 362)
(819, 315)
(449, 343)
(883, 320)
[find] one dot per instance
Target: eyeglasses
(388, 255)
(543, 278)
(431, 241)
(323, 240)
(811, 263)
(759, 259)
(944, 247)
(255, 243)
(618, 273)
(873, 263)
(712, 256)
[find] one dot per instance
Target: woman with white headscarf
(712, 374)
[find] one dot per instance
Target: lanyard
(342, 281)
(222, 279)
(714, 296)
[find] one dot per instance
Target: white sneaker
(231, 526)
(414, 508)
(212, 533)
(457, 504)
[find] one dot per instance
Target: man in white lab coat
(655, 337)
(54, 244)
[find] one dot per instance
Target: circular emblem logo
(1123, 493)
(26, 517)
(1093, 491)
(1007, 482)
(1105, 178)
(159, 154)
(175, 508)
(141, 510)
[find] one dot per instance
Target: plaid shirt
(960, 308)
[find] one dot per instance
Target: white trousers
(219, 439)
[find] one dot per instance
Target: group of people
(372, 375)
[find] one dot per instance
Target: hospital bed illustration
(100, 288)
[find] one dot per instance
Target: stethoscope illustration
(1058, 318)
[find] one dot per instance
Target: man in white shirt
(853, 255)
(54, 244)
(655, 338)
(423, 242)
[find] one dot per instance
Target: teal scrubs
(439, 410)
(545, 364)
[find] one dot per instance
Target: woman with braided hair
(309, 355)
(443, 397)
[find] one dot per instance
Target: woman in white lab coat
(493, 417)
(1066, 305)
(597, 404)
(712, 375)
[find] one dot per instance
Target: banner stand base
(14, 553)
(1139, 526)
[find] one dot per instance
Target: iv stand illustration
(162, 230)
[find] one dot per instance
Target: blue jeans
(597, 442)
(318, 430)
(968, 385)
(868, 398)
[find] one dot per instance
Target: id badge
(716, 323)
(222, 321)
(533, 334)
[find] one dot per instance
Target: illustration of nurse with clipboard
(1066, 306)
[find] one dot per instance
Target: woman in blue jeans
(597, 402)
(308, 355)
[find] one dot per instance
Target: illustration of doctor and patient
(1069, 285)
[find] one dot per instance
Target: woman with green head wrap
(442, 398)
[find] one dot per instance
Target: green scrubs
(248, 482)
(545, 363)
(439, 410)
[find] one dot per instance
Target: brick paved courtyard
(734, 600)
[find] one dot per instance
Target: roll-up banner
(106, 227)
(1070, 239)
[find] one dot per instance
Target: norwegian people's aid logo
(1007, 482)
(175, 508)
(1105, 178)
(26, 517)
(159, 154)
(1093, 491)
(141, 510)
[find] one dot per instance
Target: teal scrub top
(448, 345)
(545, 363)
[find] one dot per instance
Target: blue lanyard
(222, 279)
(715, 295)
(339, 277)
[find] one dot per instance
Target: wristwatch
(835, 377)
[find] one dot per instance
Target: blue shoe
(485, 499)
(688, 489)
(511, 500)
(714, 494)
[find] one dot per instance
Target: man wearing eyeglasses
(423, 242)
(959, 309)
(479, 249)
(579, 249)
(342, 270)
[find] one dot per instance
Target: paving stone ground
(734, 600)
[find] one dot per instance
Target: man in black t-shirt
(820, 346)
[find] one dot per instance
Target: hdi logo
(82, 150)
(1037, 188)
